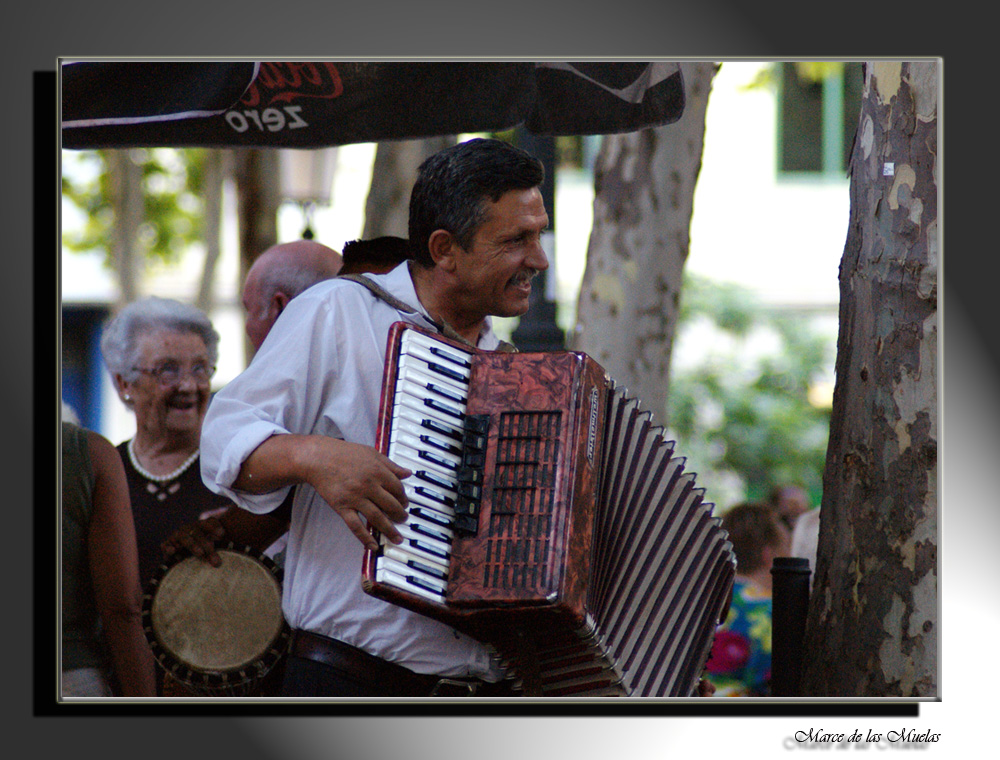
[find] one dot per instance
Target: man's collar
(399, 282)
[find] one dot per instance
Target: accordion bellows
(550, 519)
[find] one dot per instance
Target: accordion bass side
(549, 518)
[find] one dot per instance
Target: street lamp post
(537, 329)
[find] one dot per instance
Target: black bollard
(790, 605)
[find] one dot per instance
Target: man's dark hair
(378, 254)
(454, 185)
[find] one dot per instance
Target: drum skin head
(208, 623)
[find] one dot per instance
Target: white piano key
(427, 412)
(432, 544)
(408, 443)
(429, 397)
(451, 431)
(411, 567)
(432, 516)
(420, 547)
(417, 548)
(426, 473)
(403, 426)
(403, 553)
(419, 524)
(394, 579)
(425, 361)
(428, 499)
(419, 341)
(416, 371)
(445, 487)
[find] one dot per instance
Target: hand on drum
(199, 538)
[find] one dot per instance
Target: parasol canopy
(316, 104)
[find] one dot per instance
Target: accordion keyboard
(426, 437)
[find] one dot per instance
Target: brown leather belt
(392, 679)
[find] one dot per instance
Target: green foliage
(812, 72)
(172, 189)
(740, 393)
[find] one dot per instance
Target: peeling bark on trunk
(872, 626)
(630, 294)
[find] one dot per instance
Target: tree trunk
(387, 210)
(644, 196)
(129, 212)
(256, 174)
(212, 193)
(872, 624)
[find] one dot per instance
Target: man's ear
(278, 303)
(443, 247)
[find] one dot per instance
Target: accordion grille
(523, 492)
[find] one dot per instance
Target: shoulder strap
(443, 327)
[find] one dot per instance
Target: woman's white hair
(120, 341)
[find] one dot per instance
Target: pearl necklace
(159, 478)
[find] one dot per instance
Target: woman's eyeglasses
(170, 373)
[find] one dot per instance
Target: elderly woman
(161, 355)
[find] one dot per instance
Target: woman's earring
(128, 397)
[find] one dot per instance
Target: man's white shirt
(319, 371)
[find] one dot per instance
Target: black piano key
(434, 496)
(449, 356)
(446, 371)
(443, 446)
(431, 516)
(445, 430)
(427, 569)
(434, 480)
(446, 392)
(413, 580)
(439, 461)
(444, 408)
(426, 548)
(425, 531)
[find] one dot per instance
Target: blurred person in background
(278, 275)
(789, 502)
(104, 650)
(376, 256)
(740, 662)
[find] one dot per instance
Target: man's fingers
(382, 521)
(359, 529)
(400, 472)
(392, 504)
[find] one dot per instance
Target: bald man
(278, 275)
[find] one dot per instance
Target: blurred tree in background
(747, 400)
(143, 205)
(172, 186)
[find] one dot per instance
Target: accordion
(549, 518)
